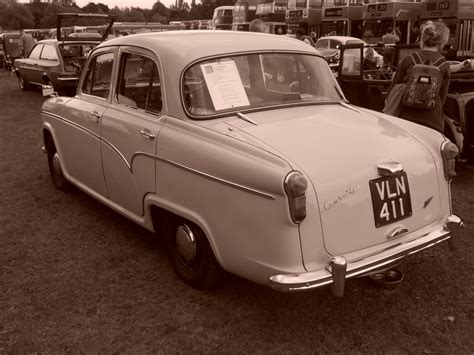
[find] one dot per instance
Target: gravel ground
(77, 277)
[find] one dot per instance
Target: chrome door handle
(96, 115)
(146, 133)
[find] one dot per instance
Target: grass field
(77, 277)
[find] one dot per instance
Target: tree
(15, 16)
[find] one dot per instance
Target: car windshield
(239, 83)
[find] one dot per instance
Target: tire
(23, 84)
(191, 255)
(55, 168)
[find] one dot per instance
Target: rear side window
(139, 83)
(49, 53)
(36, 51)
(99, 76)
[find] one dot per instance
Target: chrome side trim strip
(71, 123)
(212, 177)
(152, 156)
(107, 143)
(65, 78)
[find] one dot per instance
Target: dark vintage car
(366, 86)
(58, 62)
(10, 49)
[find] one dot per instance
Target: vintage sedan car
(282, 183)
(59, 62)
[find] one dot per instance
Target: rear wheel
(191, 255)
(55, 169)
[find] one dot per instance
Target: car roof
(53, 40)
(178, 49)
(183, 47)
(342, 39)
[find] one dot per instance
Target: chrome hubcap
(186, 243)
(57, 166)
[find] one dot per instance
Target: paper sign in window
(224, 85)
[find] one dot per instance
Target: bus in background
(272, 12)
(343, 20)
(126, 28)
(244, 13)
(459, 16)
(222, 18)
(380, 16)
(305, 14)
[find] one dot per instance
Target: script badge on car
(390, 198)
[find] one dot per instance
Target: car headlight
(449, 152)
(295, 188)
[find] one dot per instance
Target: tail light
(295, 187)
(449, 153)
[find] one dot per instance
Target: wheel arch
(163, 213)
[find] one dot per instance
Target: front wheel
(23, 84)
(55, 169)
(192, 257)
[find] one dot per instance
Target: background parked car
(329, 47)
(58, 62)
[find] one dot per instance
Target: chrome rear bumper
(339, 269)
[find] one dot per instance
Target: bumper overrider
(339, 268)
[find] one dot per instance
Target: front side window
(49, 53)
(98, 76)
(243, 82)
(36, 51)
(139, 83)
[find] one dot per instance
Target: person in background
(301, 35)
(257, 25)
(434, 36)
(27, 42)
(390, 37)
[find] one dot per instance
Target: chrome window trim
(138, 51)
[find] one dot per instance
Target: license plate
(390, 199)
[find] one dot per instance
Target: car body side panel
(128, 155)
(233, 190)
(78, 139)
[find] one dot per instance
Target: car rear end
(371, 207)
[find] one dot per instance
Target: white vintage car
(284, 183)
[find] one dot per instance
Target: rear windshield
(239, 83)
(74, 55)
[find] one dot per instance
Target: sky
(144, 4)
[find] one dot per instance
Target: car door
(46, 64)
(27, 66)
(81, 148)
(130, 128)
